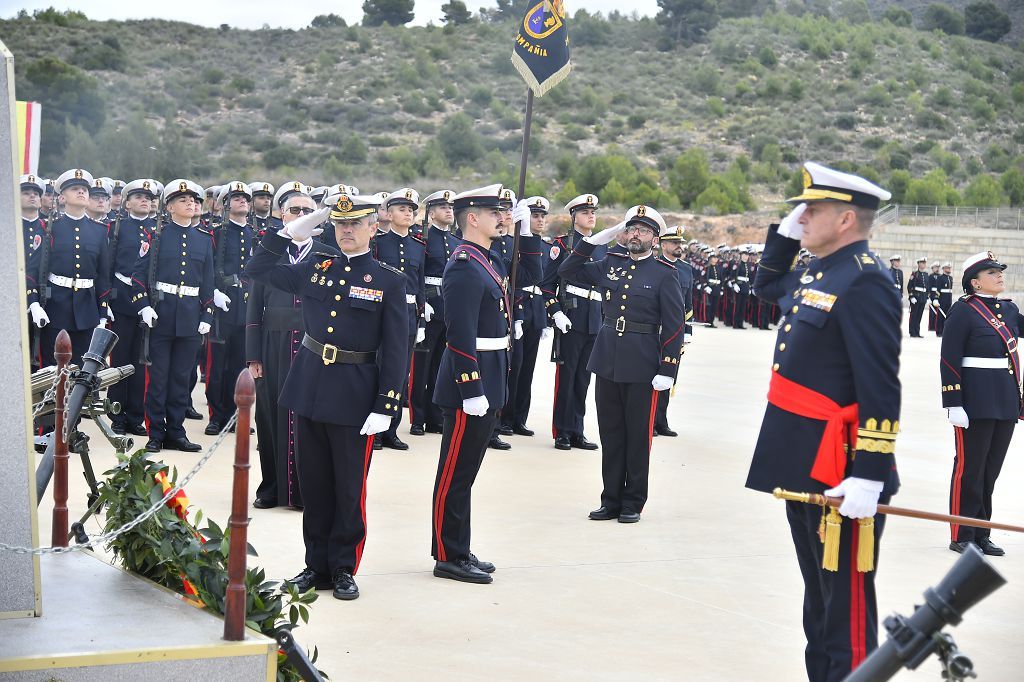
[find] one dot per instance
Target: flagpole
(527, 121)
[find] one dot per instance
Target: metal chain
(51, 393)
(67, 394)
(106, 538)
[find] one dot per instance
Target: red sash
(840, 425)
(475, 255)
(1008, 338)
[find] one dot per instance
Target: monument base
(101, 623)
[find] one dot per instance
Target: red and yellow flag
(28, 114)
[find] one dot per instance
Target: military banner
(541, 53)
(28, 136)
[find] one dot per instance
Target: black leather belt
(282, 320)
(623, 325)
(331, 354)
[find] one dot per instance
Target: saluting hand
(307, 226)
(607, 235)
(790, 225)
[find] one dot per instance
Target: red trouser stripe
(650, 424)
(446, 479)
(958, 474)
(412, 373)
(554, 403)
(362, 501)
(858, 615)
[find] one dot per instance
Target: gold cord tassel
(821, 524)
(866, 544)
(833, 526)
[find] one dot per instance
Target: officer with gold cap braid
(404, 252)
(636, 355)
(233, 243)
(424, 414)
(172, 291)
(836, 369)
(127, 235)
(345, 384)
(76, 287)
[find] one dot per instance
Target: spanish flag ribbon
(178, 501)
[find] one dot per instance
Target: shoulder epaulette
(462, 255)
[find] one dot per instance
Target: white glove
(39, 316)
(149, 316)
(521, 217)
(607, 235)
(428, 312)
(517, 330)
(661, 382)
(957, 416)
(561, 321)
(375, 423)
(913, 301)
(736, 288)
(421, 334)
(934, 303)
(707, 290)
(476, 407)
(860, 497)
(546, 333)
(204, 328)
(790, 225)
(307, 226)
(110, 314)
(221, 300)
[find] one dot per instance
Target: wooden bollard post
(59, 533)
(234, 600)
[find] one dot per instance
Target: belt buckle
(620, 324)
(332, 356)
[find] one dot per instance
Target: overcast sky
(256, 13)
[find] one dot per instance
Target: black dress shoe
(521, 430)
(665, 431)
(462, 570)
(376, 443)
(154, 445)
(434, 428)
(213, 428)
(563, 443)
(345, 586)
(119, 429)
(959, 547)
(191, 413)
(183, 444)
(393, 442)
(485, 566)
(310, 580)
(582, 443)
(136, 429)
(602, 513)
(260, 503)
(416, 430)
(498, 444)
(990, 548)
(505, 430)
(629, 517)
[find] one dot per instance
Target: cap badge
(78, 174)
(590, 200)
(344, 204)
(447, 195)
(297, 186)
(991, 256)
(641, 211)
(31, 178)
(145, 185)
(182, 186)
(408, 194)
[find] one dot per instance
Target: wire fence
(952, 216)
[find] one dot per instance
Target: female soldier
(980, 372)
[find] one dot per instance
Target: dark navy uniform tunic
(356, 304)
(980, 373)
(840, 338)
(33, 232)
(233, 246)
(583, 302)
(125, 247)
(405, 254)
